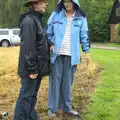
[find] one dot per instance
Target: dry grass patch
(85, 82)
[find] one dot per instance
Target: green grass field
(105, 101)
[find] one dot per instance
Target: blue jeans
(25, 105)
(60, 84)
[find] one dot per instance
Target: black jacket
(34, 49)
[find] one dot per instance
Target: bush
(99, 32)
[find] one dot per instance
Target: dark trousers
(25, 105)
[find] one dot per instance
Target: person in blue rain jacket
(67, 28)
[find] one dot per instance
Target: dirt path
(105, 47)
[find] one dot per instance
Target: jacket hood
(77, 5)
(30, 11)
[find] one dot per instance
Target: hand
(33, 76)
(52, 48)
(87, 58)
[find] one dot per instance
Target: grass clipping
(84, 84)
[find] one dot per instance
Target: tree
(97, 14)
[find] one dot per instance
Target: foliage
(97, 14)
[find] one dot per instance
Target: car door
(15, 39)
(4, 34)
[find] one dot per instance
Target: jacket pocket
(44, 65)
(57, 24)
(76, 25)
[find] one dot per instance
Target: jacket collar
(36, 13)
(76, 15)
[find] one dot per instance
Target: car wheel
(5, 43)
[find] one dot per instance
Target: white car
(9, 37)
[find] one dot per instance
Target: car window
(4, 32)
(16, 32)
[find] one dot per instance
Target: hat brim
(28, 3)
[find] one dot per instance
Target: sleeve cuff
(50, 43)
(33, 72)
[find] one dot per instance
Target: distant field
(85, 82)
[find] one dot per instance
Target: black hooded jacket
(34, 49)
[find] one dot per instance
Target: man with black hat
(33, 59)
